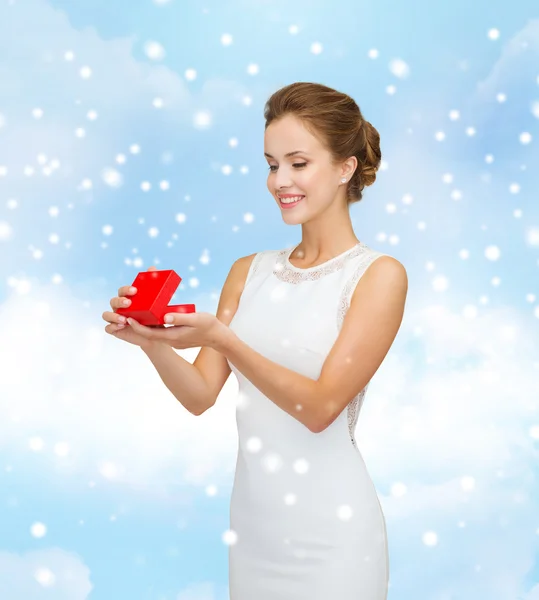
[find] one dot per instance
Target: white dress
(307, 519)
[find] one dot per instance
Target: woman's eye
(297, 165)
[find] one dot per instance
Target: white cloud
(51, 574)
(121, 89)
(428, 424)
(514, 72)
(119, 82)
(460, 402)
(67, 381)
(97, 405)
(91, 410)
(486, 396)
(533, 594)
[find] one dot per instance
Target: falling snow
(133, 149)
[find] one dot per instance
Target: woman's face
(308, 173)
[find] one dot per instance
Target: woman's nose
(282, 180)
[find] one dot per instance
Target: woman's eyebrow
(287, 154)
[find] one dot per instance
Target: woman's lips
(290, 204)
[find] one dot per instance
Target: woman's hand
(188, 330)
(117, 325)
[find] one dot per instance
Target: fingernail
(168, 318)
(130, 321)
(133, 290)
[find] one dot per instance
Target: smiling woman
(313, 324)
(304, 329)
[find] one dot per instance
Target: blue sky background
(132, 135)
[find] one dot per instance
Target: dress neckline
(323, 265)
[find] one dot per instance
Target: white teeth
(290, 200)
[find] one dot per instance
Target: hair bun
(368, 175)
(372, 155)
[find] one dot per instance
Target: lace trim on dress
(354, 405)
(284, 271)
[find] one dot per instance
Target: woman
(304, 329)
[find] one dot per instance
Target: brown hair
(335, 119)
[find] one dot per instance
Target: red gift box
(150, 303)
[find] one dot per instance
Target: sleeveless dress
(307, 521)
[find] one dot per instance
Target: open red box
(154, 291)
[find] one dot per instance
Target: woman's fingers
(127, 290)
(113, 328)
(120, 302)
(112, 317)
